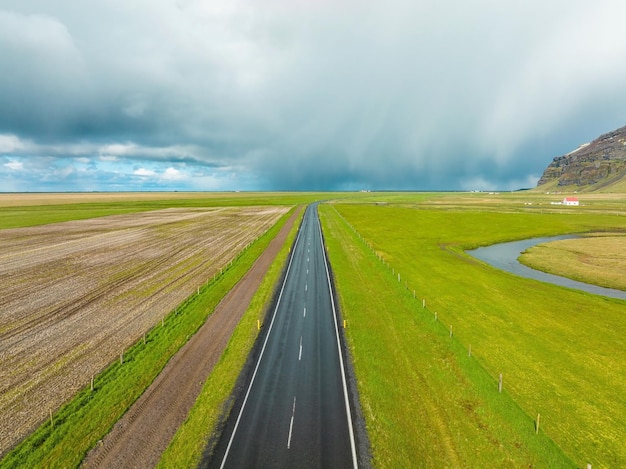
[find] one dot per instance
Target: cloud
(270, 94)
(169, 174)
(10, 144)
(44, 76)
(573, 65)
(14, 165)
(144, 172)
(172, 174)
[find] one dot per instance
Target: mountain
(596, 166)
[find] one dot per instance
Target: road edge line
(343, 373)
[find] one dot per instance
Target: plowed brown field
(74, 295)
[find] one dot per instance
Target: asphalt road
(295, 412)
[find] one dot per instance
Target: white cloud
(14, 165)
(144, 172)
(173, 174)
(10, 143)
(169, 174)
(117, 149)
(109, 158)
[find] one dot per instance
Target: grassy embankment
(188, 444)
(80, 423)
(561, 352)
(599, 260)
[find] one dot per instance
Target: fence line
(394, 273)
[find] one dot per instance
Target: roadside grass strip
(213, 404)
(64, 439)
(415, 303)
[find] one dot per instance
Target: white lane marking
(300, 354)
(307, 259)
(343, 373)
(304, 315)
(306, 287)
(293, 413)
(256, 368)
(307, 271)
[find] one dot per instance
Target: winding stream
(504, 256)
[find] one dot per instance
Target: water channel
(504, 256)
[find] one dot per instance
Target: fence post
(537, 424)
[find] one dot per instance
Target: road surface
(295, 411)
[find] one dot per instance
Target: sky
(221, 95)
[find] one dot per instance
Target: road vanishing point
(295, 411)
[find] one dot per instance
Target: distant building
(570, 201)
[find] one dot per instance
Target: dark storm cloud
(302, 95)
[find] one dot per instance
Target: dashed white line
(293, 413)
(290, 430)
(306, 287)
(300, 354)
(304, 315)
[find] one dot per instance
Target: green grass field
(561, 352)
(599, 260)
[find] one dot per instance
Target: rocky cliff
(604, 159)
